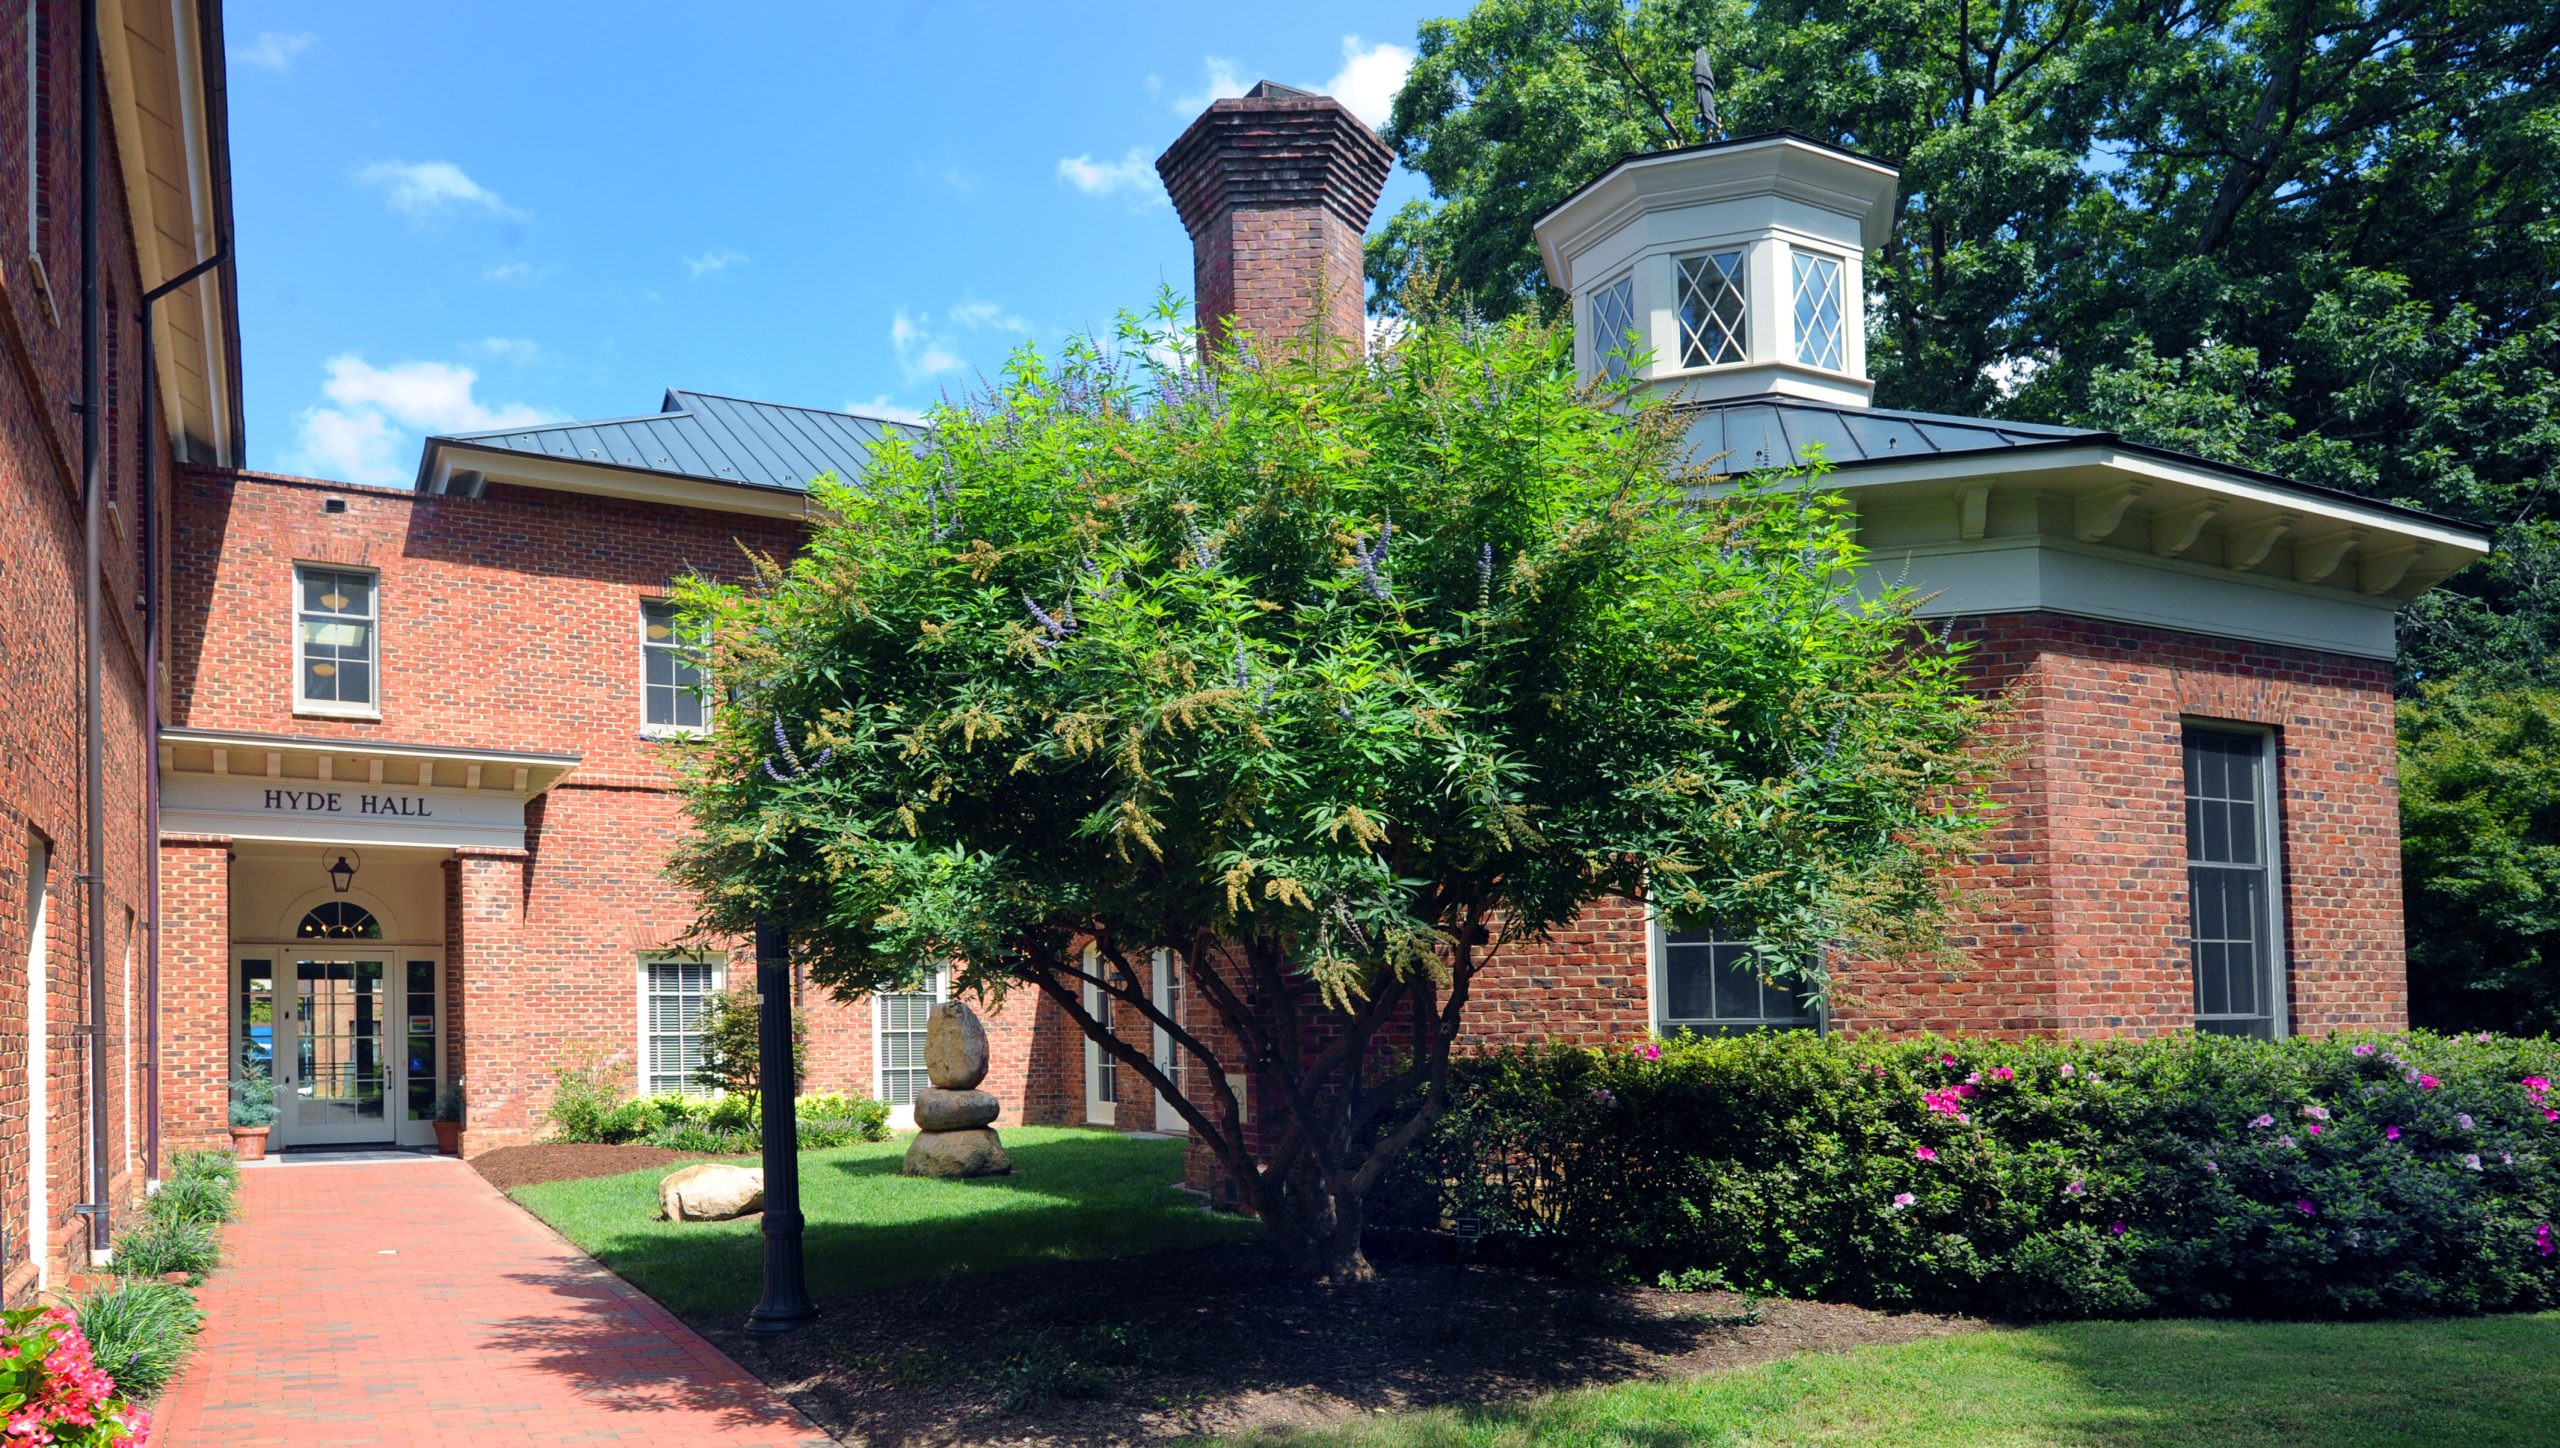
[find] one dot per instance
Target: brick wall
(42, 546)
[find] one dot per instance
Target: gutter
(93, 764)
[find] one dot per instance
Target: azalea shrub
(2351, 1176)
(52, 1389)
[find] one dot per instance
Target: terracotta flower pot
(249, 1143)
(449, 1137)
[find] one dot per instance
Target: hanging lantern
(342, 874)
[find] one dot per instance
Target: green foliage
(450, 1101)
(2346, 1177)
(154, 1246)
(52, 1391)
(2318, 237)
(201, 1198)
(730, 1042)
(205, 1163)
(253, 1090)
(139, 1331)
(2480, 830)
(587, 1105)
(1329, 666)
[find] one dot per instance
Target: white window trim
(1842, 274)
(1747, 250)
(1099, 1110)
(331, 708)
(902, 1114)
(649, 730)
(1658, 992)
(640, 977)
(1601, 344)
(39, 1106)
(2279, 965)
(1166, 991)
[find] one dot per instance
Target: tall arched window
(339, 920)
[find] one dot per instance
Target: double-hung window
(1708, 982)
(672, 992)
(898, 1045)
(671, 686)
(335, 612)
(2234, 878)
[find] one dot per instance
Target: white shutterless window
(335, 665)
(1101, 1071)
(1714, 323)
(1613, 328)
(672, 992)
(898, 1040)
(1817, 310)
(2235, 881)
(672, 697)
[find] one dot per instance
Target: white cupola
(1739, 266)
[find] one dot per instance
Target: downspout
(147, 492)
(93, 768)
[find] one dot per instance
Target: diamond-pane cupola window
(1739, 266)
(1817, 310)
(1613, 327)
(1713, 314)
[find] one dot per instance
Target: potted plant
(449, 1118)
(253, 1105)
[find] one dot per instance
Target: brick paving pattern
(408, 1304)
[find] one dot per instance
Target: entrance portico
(330, 866)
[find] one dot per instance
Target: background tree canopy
(2317, 237)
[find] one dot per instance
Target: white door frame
(1101, 1080)
(1166, 992)
(283, 959)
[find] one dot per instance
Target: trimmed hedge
(2351, 1176)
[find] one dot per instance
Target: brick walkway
(409, 1304)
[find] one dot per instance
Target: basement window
(334, 617)
(1712, 329)
(1705, 982)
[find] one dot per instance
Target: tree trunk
(1319, 1230)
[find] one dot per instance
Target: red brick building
(414, 750)
(103, 208)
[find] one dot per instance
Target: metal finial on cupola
(1703, 74)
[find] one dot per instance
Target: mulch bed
(521, 1166)
(1225, 1339)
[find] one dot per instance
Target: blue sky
(471, 215)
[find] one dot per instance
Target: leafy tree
(732, 1044)
(2480, 818)
(2330, 226)
(1339, 679)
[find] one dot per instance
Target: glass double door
(323, 1028)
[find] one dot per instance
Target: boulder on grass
(956, 1154)
(710, 1191)
(940, 1110)
(955, 1047)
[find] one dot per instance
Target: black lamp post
(786, 1306)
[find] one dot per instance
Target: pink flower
(2315, 1128)
(1650, 1051)
(2391, 1133)
(2426, 1082)
(2482, 1038)
(2116, 1227)
(2364, 1050)
(1925, 1153)
(1946, 1060)
(2263, 1120)
(2303, 1205)
(1903, 1199)
(2076, 1188)
(2471, 1160)
(2543, 1246)
(2284, 1141)
(2316, 1113)
(2003, 1073)
(2213, 1167)
(2462, 1119)
(2069, 1070)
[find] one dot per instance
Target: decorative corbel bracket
(2317, 558)
(2247, 545)
(2380, 571)
(2175, 530)
(1973, 511)
(2095, 515)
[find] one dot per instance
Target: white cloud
(881, 406)
(1220, 81)
(1133, 175)
(428, 189)
(1369, 79)
(516, 273)
(367, 427)
(713, 261)
(275, 50)
(517, 351)
(928, 348)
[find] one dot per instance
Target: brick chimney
(1276, 188)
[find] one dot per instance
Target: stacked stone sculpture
(953, 1135)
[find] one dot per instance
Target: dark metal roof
(1773, 431)
(711, 438)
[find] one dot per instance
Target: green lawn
(2475, 1383)
(1074, 1194)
